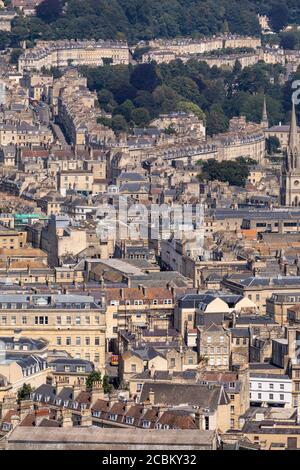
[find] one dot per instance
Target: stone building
(64, 53)
(290, 189)
(74, 323)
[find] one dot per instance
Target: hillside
(135, 20)
(138, 19)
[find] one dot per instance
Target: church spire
(265, 120)
(293, 137)
(293, 144)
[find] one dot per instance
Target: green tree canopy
(24, 392)
(279, 15)
(145, 77)
(49, 10)
(216, 120)
(119, 124)
(140, 117)
(94, 376)
(272, 145)
(235, 172)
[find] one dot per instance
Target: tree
(235, 172)
(145, 77)
(49, 10)
(119, 124)
(225, 27)
(104, 121)
(94, 376)
(140, 117)
(106, 100)
(125, 109)
(124, 92)
(272, 145)
(288, 41)
(170, 130)
(24, 392)
(185, 87)
(190, 107)
(55, 72)
(5, 39)
(139, 51)
(107, 387)
(14, 56)
(279, 15)
(216, 120)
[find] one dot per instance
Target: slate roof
(255, 320)
(60, 364)
(23, 343)
(131, 176)
(240, 332)
(185, 394)
(196, 300)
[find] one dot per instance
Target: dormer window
(146, 424)
(6, 427)
(129, 420)
(113, 417)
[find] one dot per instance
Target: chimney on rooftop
(86, 417)
(151, 397)
(199, 420)
(66, 418)
(152, 371)
(77, 388)
(60, 385)
(15, 421)
(97, 392)
(128, 405)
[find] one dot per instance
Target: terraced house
(73, 323)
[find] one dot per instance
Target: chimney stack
(199, 420)
(77, 388)
(66, 418)
(97, 392)
(86, 417)
(151, 397)
(152, 371)
(15, 421)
